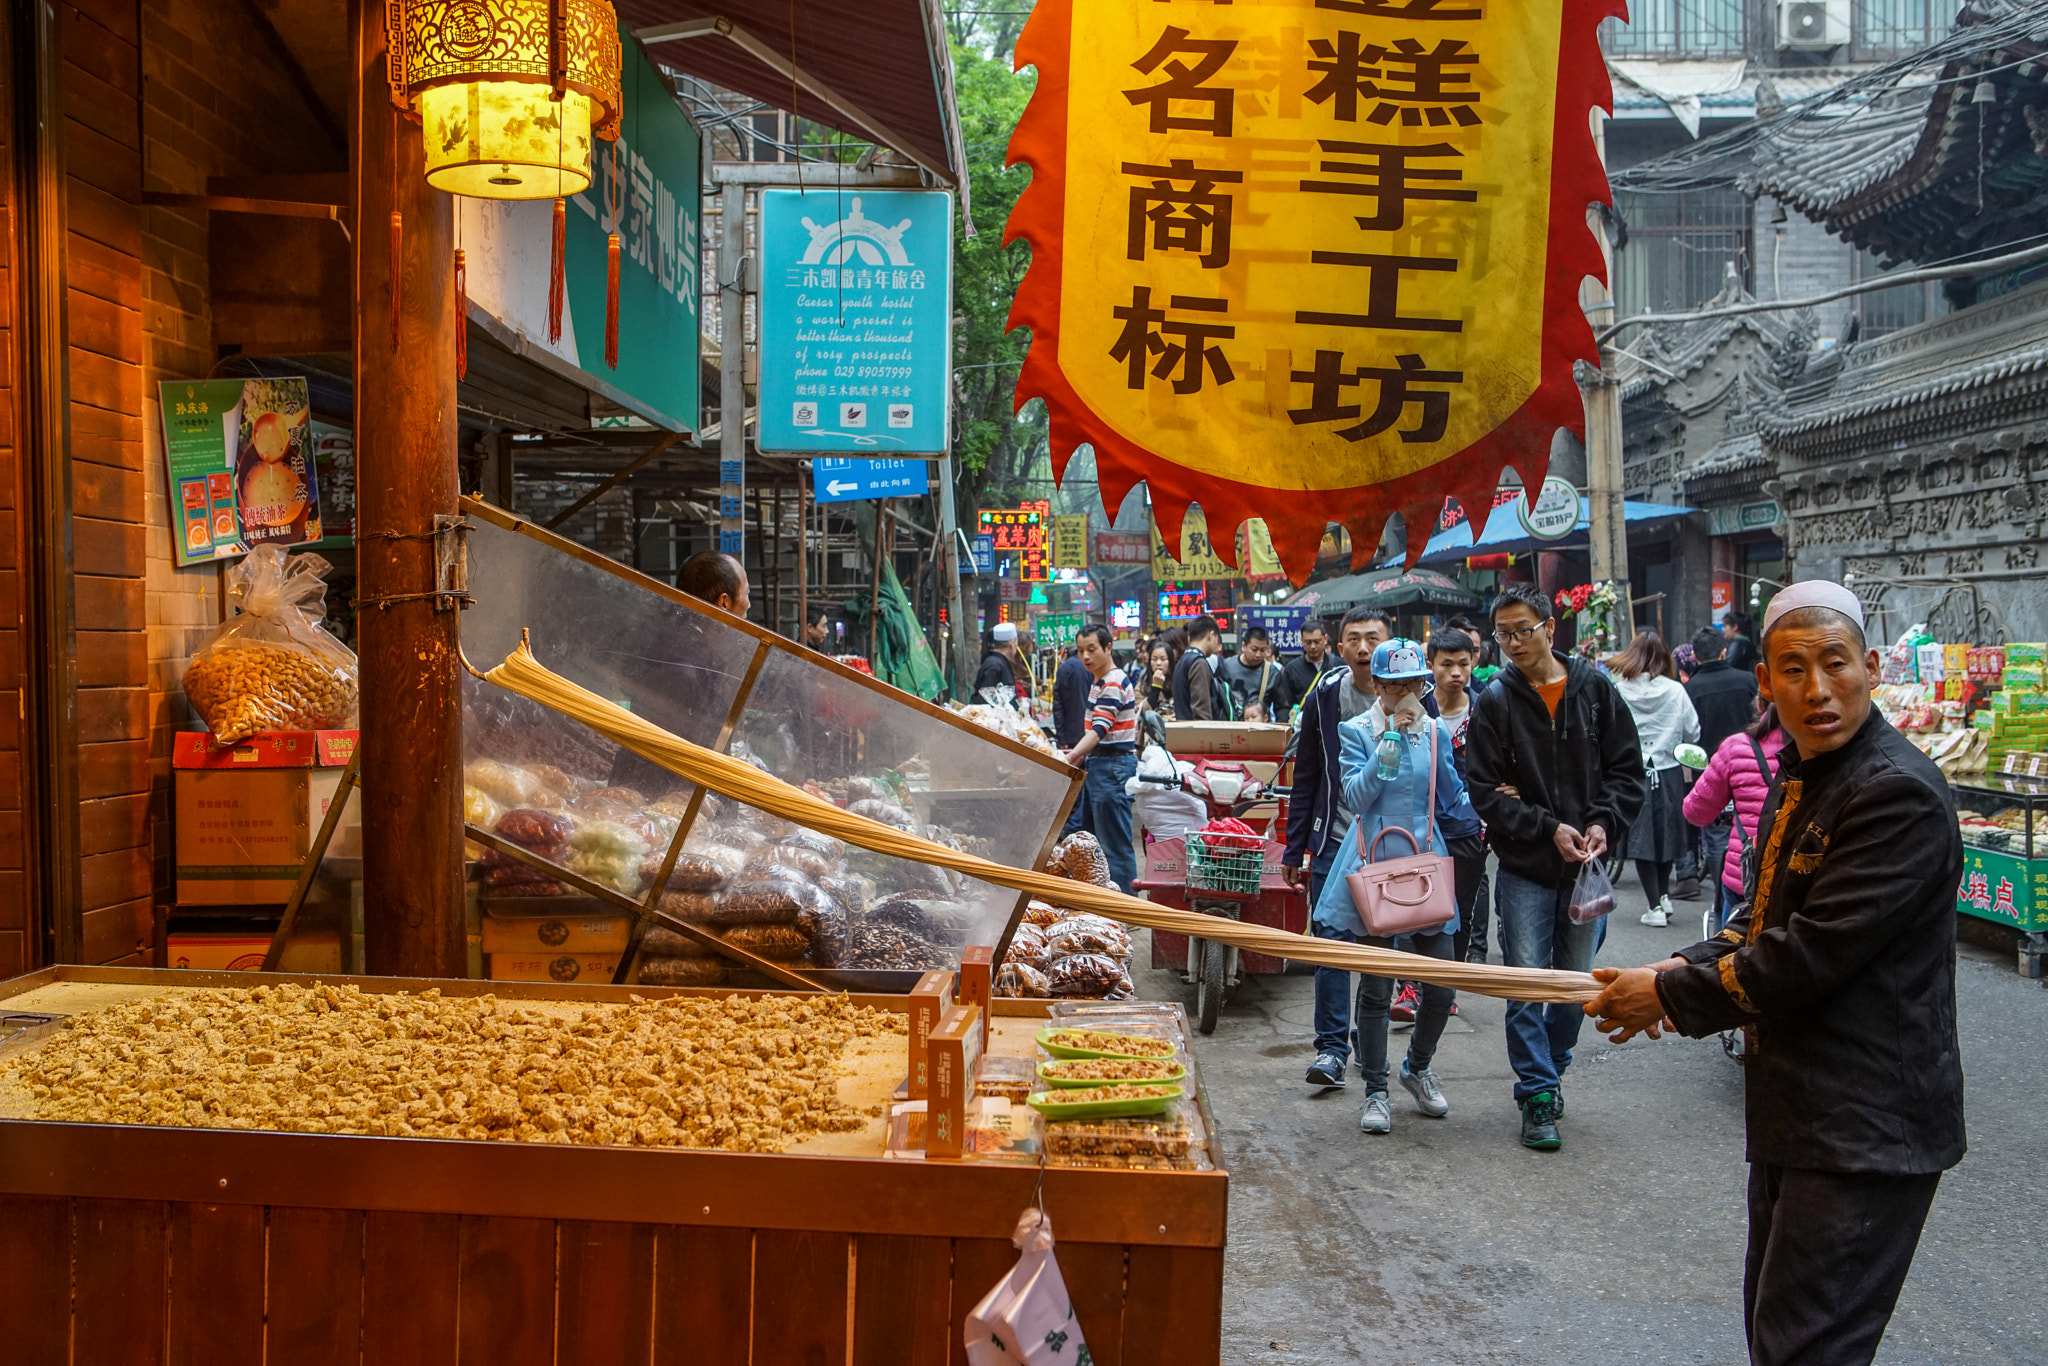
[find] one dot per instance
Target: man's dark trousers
(1828, 1252)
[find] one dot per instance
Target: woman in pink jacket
(1742, 770)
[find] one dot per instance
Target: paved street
(1446, 1242)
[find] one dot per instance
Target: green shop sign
(2004, 889)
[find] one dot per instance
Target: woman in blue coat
(1395, 735)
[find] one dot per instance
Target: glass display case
(2004, 821)
(633, 873)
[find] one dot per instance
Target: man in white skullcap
(1841, 971)
(999, 659)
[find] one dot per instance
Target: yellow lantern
(509, 93)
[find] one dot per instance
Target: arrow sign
(848, 481)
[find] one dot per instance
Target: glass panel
(1888, 310)
(1680, 249)
(1677, 28)
(1895, 28)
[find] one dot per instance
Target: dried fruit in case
(271, 666)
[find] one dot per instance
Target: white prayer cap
(1814, 593)
(1007, 630)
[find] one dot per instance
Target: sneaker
(1657, 915)
(1454, 1007)
(1405, 1002)
(1378, 1117)
(1539, 1122)
(1327, 1071)
(1688, 889)
(1429, 1097)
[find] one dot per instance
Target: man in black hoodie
(1556, 772)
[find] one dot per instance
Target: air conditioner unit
(1813, 23)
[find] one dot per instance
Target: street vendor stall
(144, 1215)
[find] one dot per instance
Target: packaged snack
(826, 925)
(1027, 946)
(806, 859)
(479, 809)
(768, 902)
(1088, 974)
(544, 832)
(1043, 913)
(1021, 979)
(1088, 934)
(271, 666)
(675, 804)
(1009, 1075)
(865, 790)
(880, 944)
(510, 878)
(684, 972)
(851, 892)
(705, 867)
(777, 942)
(1079, 856)
(695, 907)
(887, 812)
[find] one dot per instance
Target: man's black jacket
(995, 672)
(1302, 675)
(1583, 769)
(1725, 698)
(1845, 966)
(1070, 689)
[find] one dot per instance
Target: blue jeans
(1536, 932)
(1109, 812)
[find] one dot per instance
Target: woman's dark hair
(1764, 723)
(1176, 642)
(1646, 654)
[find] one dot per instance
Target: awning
(878, 69)
(1506, 535)
(1388, 590)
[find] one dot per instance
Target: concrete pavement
(1447, 1242)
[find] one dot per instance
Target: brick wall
(216, 102)
(17, 924)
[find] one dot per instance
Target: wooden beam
(222, 203)
(406, 475)
(627, 471)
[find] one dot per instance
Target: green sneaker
(1539, 1122)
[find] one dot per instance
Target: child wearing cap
(1387, 754)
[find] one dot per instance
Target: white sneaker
(1657, 915)
(1378, 1117)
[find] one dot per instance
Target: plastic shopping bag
(1592, 894)
(1028, 1319)
(271, 666)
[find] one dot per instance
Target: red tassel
(461, 314)
(558, 271)
(611, 302)
(397, 271)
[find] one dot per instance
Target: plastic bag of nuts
(271, 666)
(1088, 974)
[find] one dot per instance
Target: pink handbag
(1402, 895)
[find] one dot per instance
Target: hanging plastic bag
(1028, 1319)
(271, 666)
(1592, 894)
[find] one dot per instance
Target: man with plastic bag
(1108, 749)
(1555, 771)
(1841, 970)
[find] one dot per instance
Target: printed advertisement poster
(240, 459)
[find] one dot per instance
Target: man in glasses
(1555, 771)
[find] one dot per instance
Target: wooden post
(406, 474)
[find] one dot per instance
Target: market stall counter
(194, 1167)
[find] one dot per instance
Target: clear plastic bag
(1592, 894)
(271, 666)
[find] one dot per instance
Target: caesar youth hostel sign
(856, 308)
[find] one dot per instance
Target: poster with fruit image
(240, 459)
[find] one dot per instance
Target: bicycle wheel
(1209, 985)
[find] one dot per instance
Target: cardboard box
(553, 967)
(316, 952)
(536, 935)
(1226, 737)
(246, 814)
(955, 1062)
(929, 1001)
(977, 982)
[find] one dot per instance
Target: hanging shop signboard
(1309, 260)
(849, 481)
(653, 174)
(1127, 614)
(1198, 559)
(1059, 631)
(241, 466)
(1555, 513)
(1283, 624)
(1122, 548)
(1070, 541)
(856, 320)
(1181, 604)
(981, 552)
(1019, 538)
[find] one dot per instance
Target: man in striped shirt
(1109, 750)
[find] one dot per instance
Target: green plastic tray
(1056, 1106)
(1058, 1050)
(1170, 1072)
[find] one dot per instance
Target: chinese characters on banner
(1198, 558)
(1070, 541)
(1019, 537)
(1309, 260)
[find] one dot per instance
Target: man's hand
(1509, 790)
(1629, 1005)
(1569, 842)
(1596, 841)
(1296, 877)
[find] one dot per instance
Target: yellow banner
(1199, 558)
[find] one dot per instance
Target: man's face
(1453, 670)
(1255, 652)
(1523, 636)
(1315, 643)
(816, 632)
(1376, 634)
(1821, 678)
(1094, 656)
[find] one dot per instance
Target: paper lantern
(509, 93)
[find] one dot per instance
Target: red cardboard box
(246, 814)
